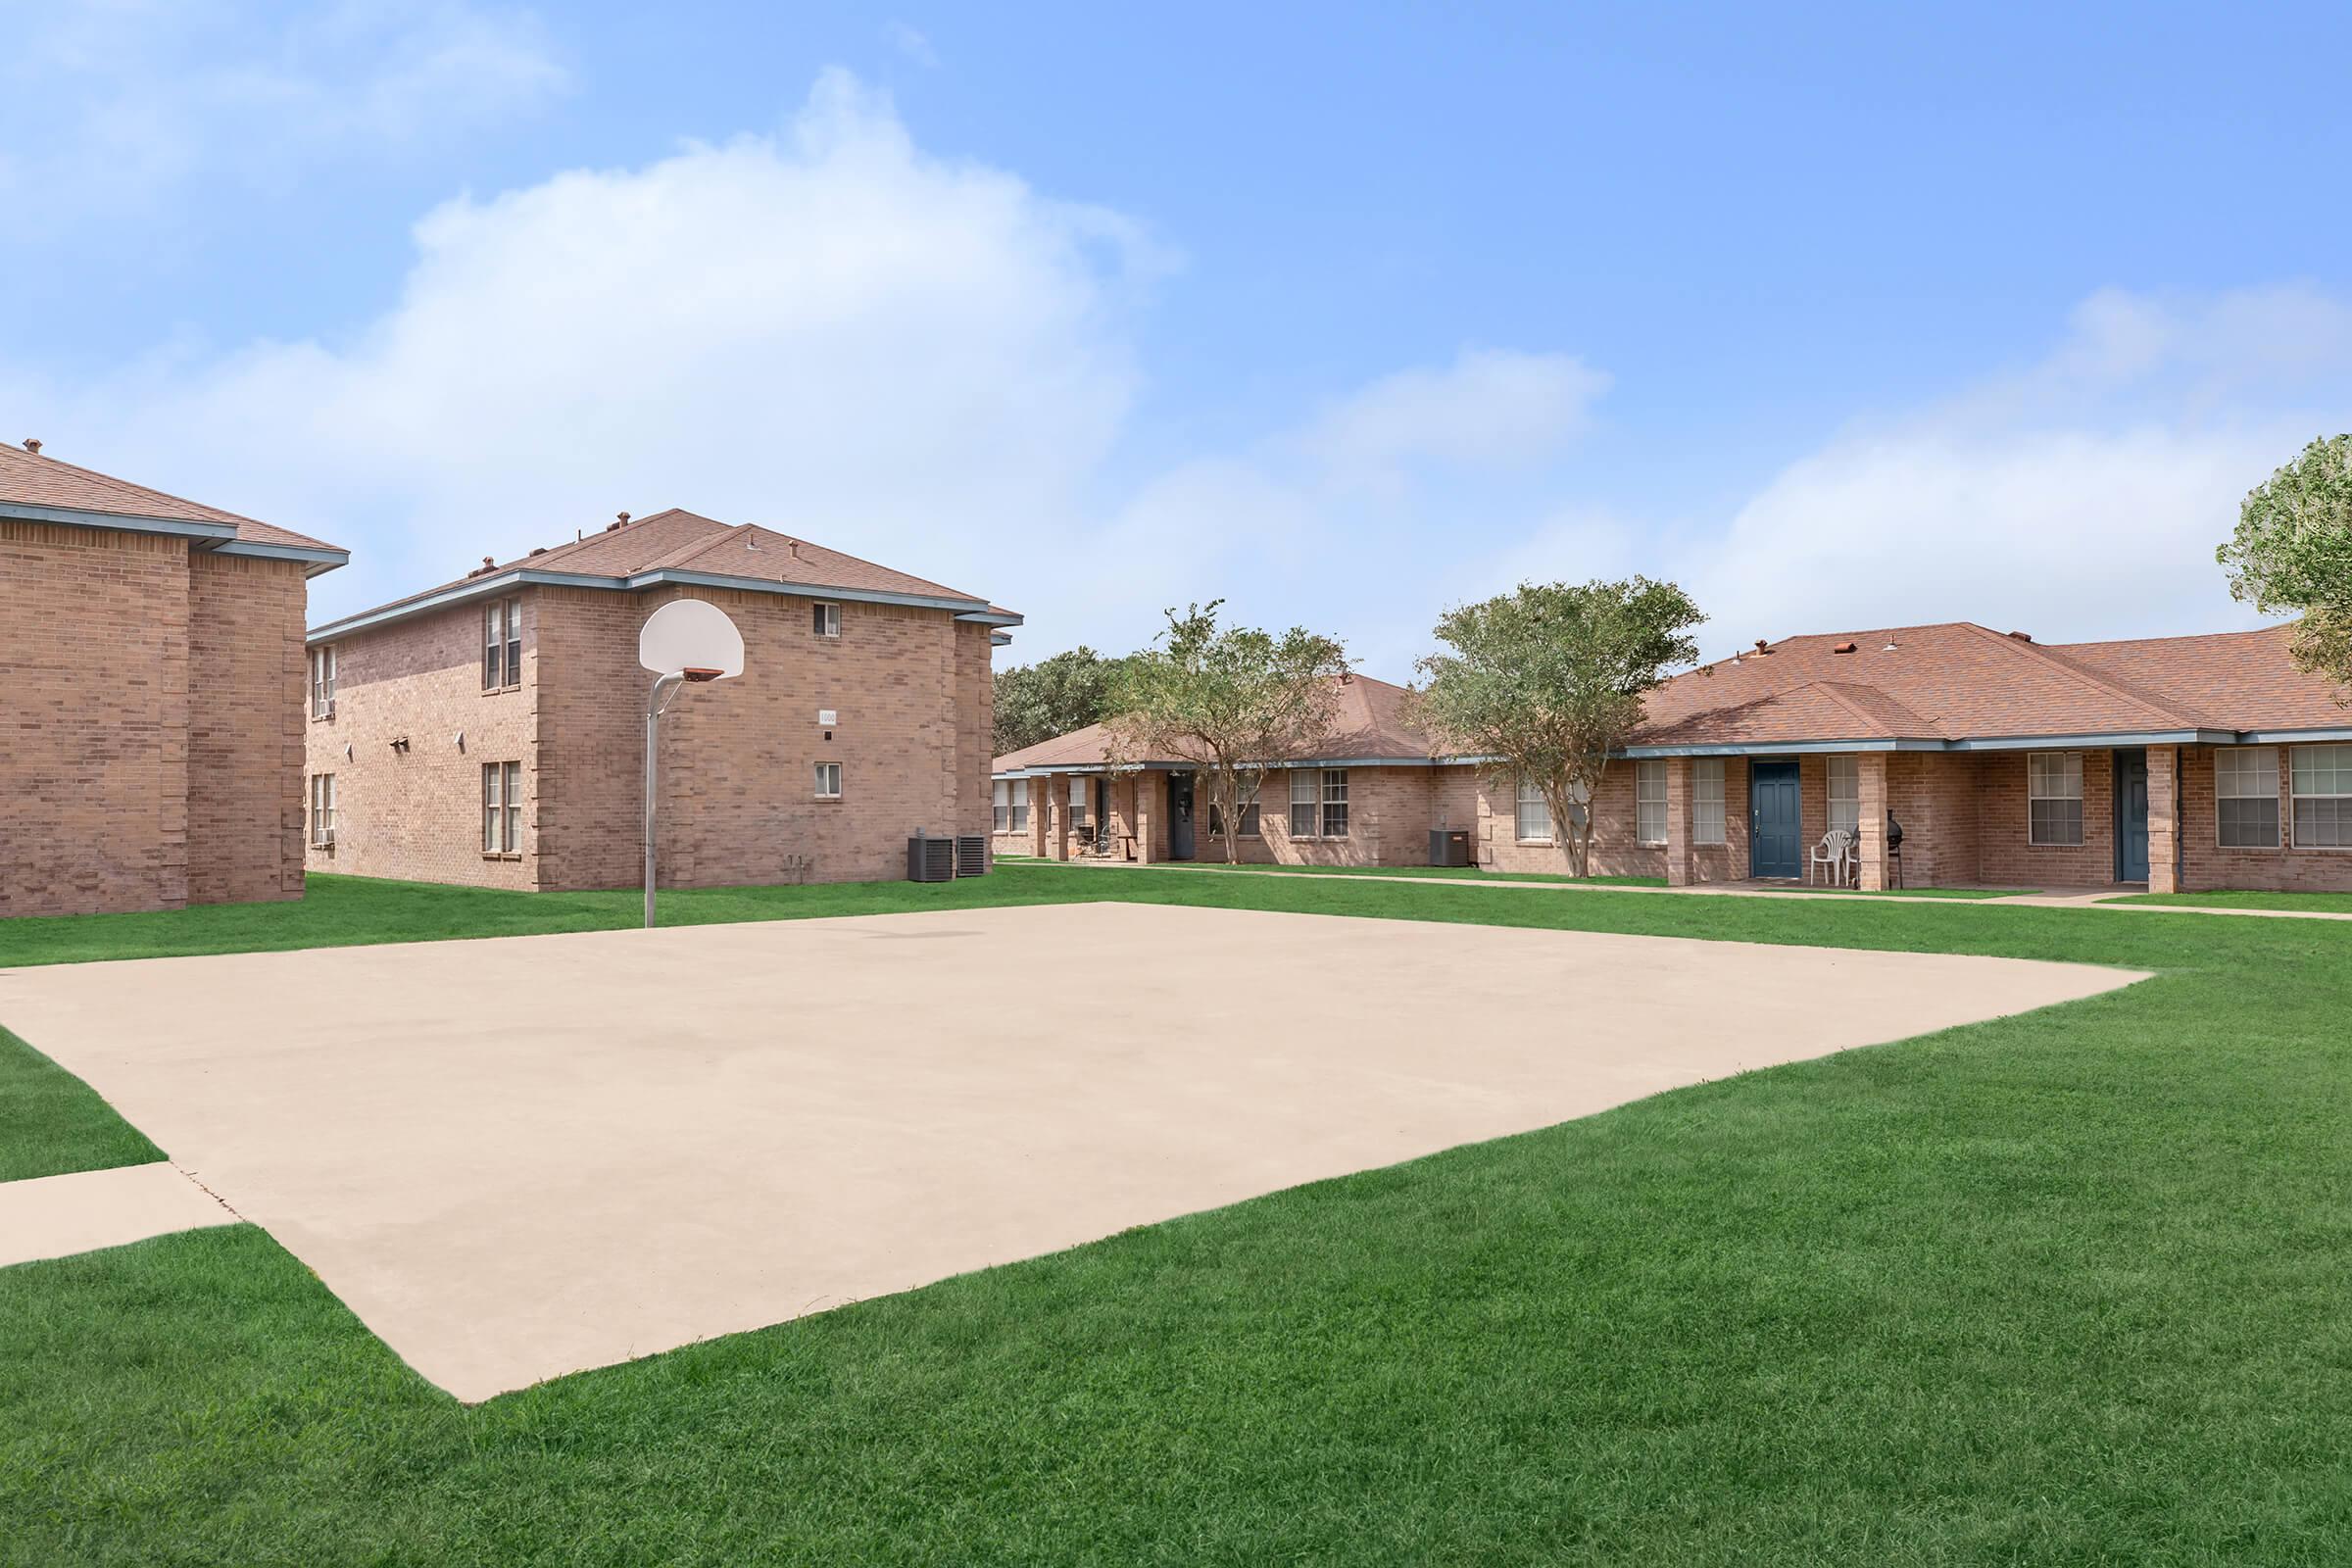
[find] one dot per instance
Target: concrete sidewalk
(57, 1216)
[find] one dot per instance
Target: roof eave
(118, 522)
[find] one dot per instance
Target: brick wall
(417, 813)
(2206, 866)
(2003, 855)
(1615, 852)
(245, 728)
(93, 744)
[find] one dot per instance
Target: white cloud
(921, 361)
(1489, 407)
(121, 103)
(912, 42)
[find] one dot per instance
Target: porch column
(1145, 816)
(1677, 822)
(1040, 792)
(1870, 788)
(2164, 819)
(1058, 837)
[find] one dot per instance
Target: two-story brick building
(151, 737)
(490, 730)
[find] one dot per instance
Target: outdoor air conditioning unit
(1449, 847)
(971, 855)
(930, 860)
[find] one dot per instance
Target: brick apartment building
(491, 730)
(2178, 763)
(151, 743)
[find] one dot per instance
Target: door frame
(1776, 765)
(1186, 818)
(2115, 768)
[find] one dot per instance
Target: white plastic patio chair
(1834, 850)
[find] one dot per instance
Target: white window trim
(504, 812)
(1520, 802)
(323, 681)
(322, 811)
(1702, 769)
(1000, 806)
(1020, 805)
(1651, 768)
(2074, 767)
(2286, 829)
(832, 615)
(823, 793)
(2279, 785)
(1852, 769)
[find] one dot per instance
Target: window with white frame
(1318, 803)
(502, 644)
(1020, 804)
(828, 781)
(1706, 800)
(826, 621)
(502, 807)
(1249, 820)
(2054, 797)
(323, 809)
(1650, 800)
(323, 681)
(1080, 789)
(1002, 819)
(2245, 796)
(1845, 796)
(1534, 813)
(2321, 780)
(1335, 803)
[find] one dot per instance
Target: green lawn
(2073, 1287)
(55, 1123)
(2300, 903)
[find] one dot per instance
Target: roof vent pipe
(2023, 636)
(32, 443)
(1842, 648)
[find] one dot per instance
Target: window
(502, 807)
(323, 681)
(2323, 785)
(827, 620)
(1650, 800)
(2245, 796)
(1079, 784)
(1706, 800)
(323, 809)
(1318, 803)
(1534, 813)
(828, 781)
(2055, 797)
(1020, 804)
(1845, 797)
(502, 644)
(1249, 820)
(1002, 820)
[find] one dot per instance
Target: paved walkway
(2099, 897)
(56, 1216)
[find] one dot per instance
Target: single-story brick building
(2178, 763)
(151, 743)
(491, 730)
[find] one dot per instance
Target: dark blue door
(1180, 817)
(1776, 840)
(2132, 816)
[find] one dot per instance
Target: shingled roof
(1368, 724)
(681, 546)
(45, 489)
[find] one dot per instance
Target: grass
(1443, 873)
(55, 1122)
(2299, 903)
(2071, 1287)
(1913, 893)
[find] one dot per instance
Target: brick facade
(910, 689)
(151, 754)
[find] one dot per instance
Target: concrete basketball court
(523, 1157)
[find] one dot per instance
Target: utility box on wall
(1449, 846)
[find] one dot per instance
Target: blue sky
(1841, 317)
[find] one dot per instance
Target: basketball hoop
(687, 642)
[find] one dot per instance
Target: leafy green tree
(1052, 696)
(1546, 684)
(2293, 550)
(1232, 703)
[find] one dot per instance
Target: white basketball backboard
(690, 635)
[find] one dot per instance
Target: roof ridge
(2077, 668)
(2132, 689)
(1837, 690)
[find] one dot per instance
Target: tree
(2293, 550)
(1231, 702)
(1544, 684)
(1052, 696)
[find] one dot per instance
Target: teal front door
(2132, 816)
(1776, 840)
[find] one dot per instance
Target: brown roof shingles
(1370, 721)
(36, 479)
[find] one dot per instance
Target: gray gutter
(2289, 737)
(317, 559)
(535, 577)
(121, 522)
